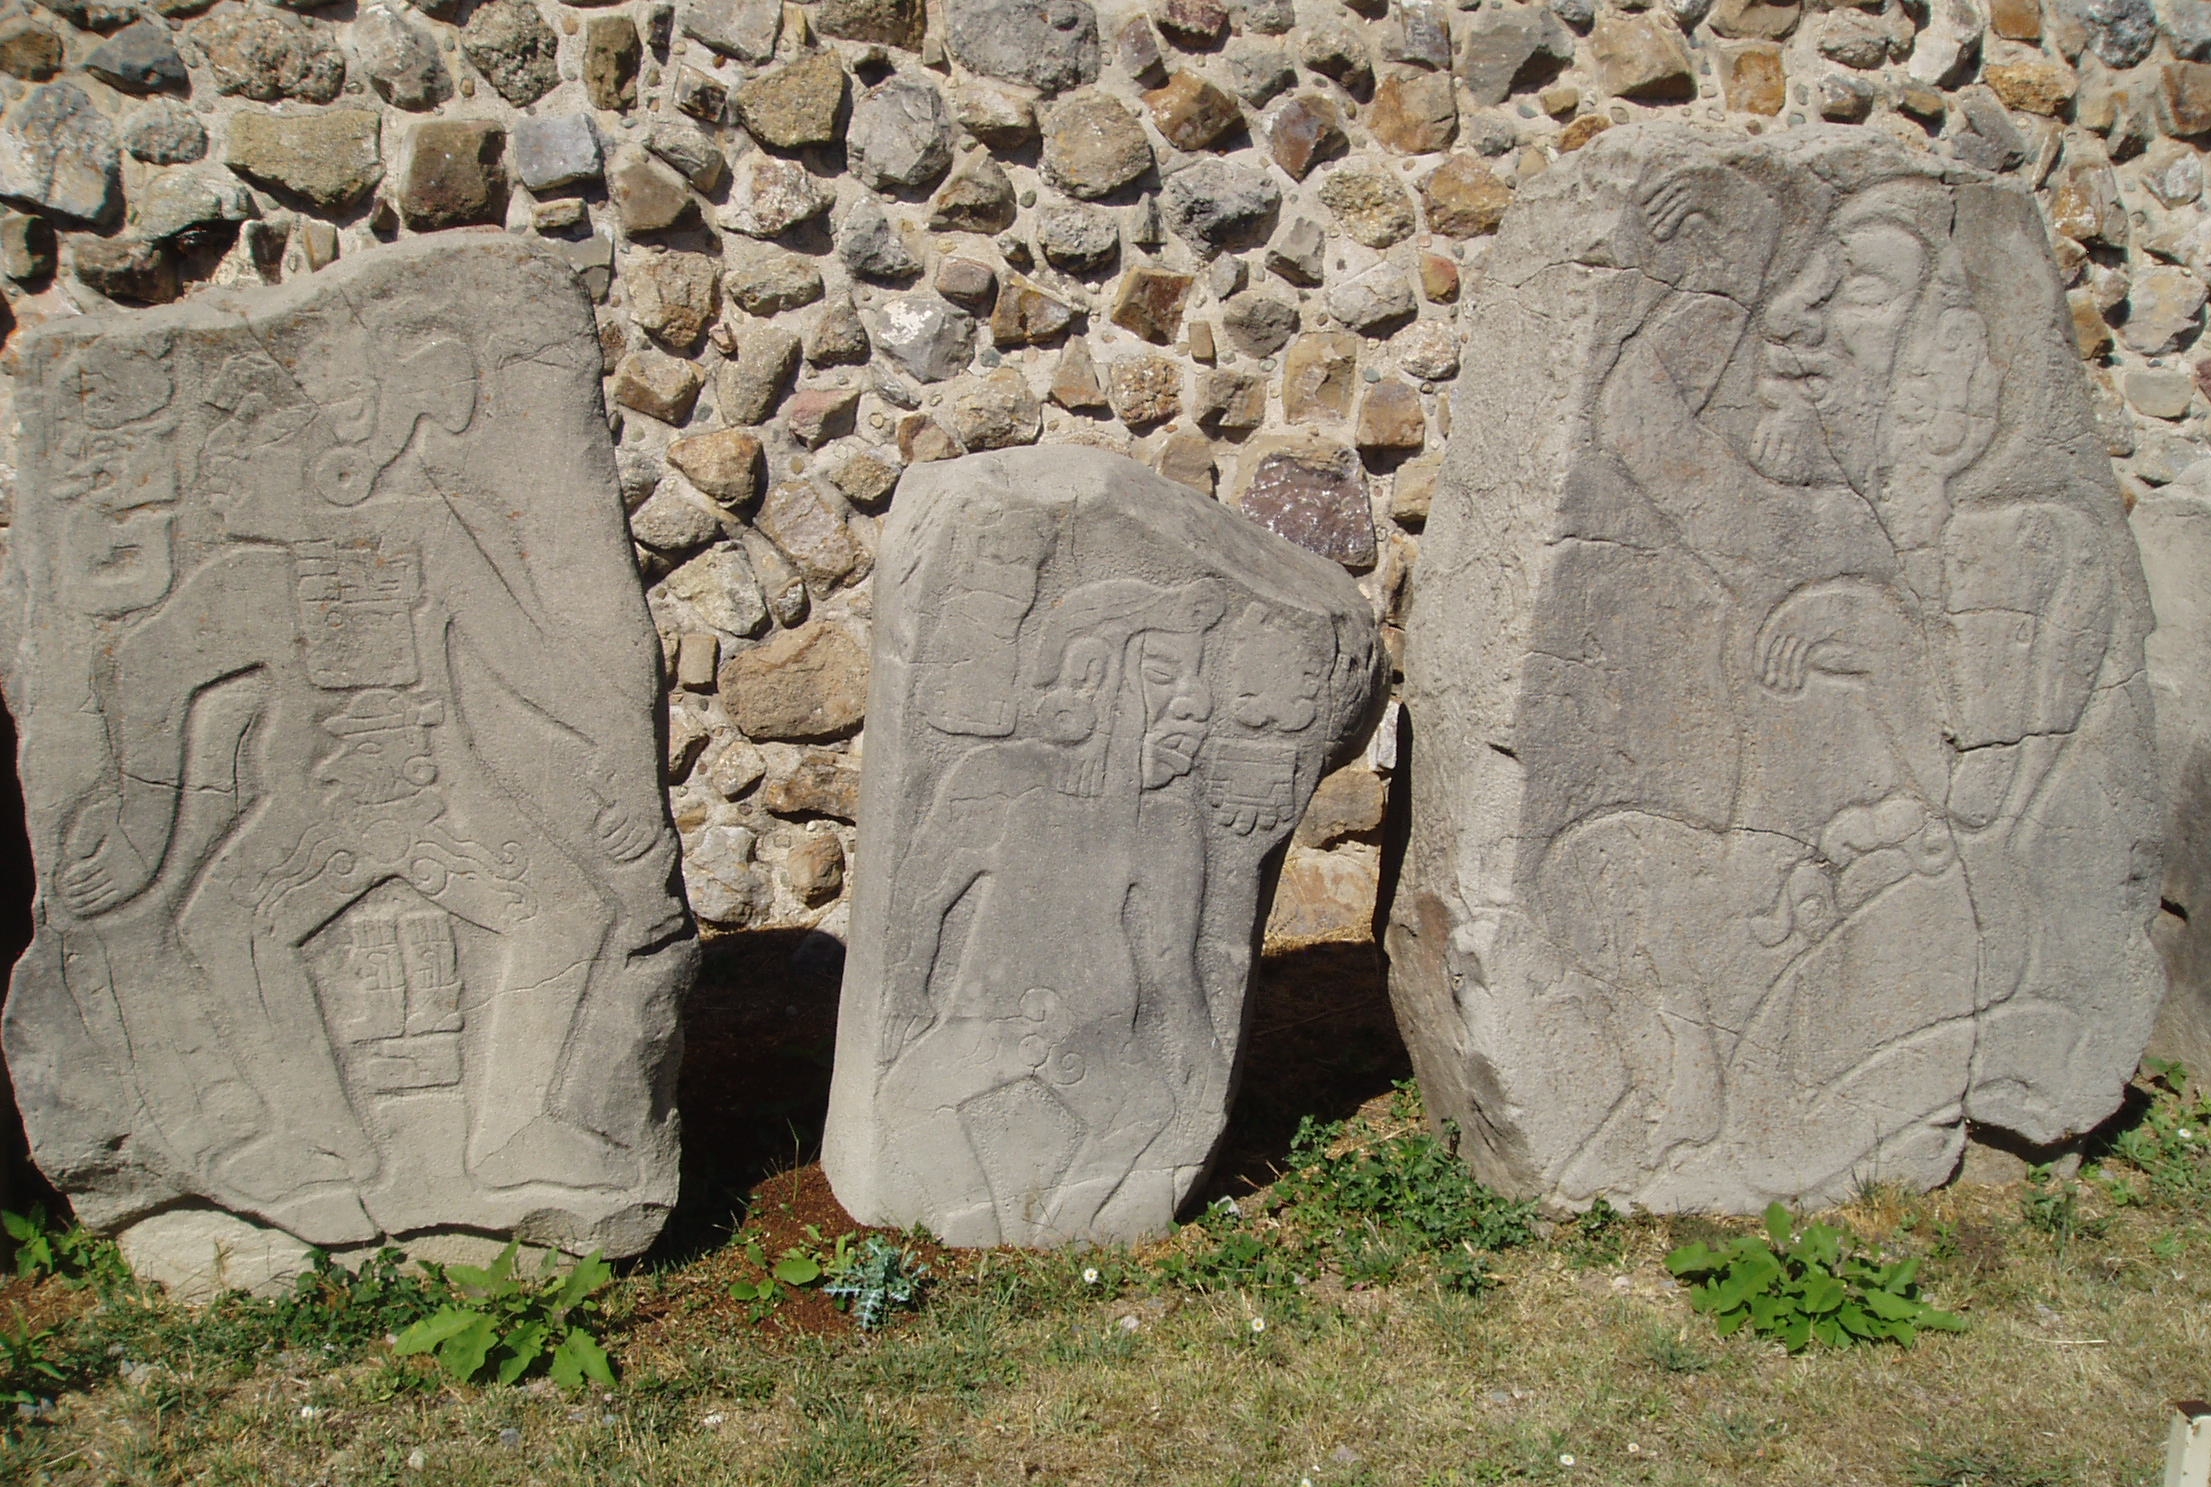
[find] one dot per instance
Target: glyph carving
(1100, 704)
(1784, 798)
(336, 696)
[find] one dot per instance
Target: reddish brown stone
(1390, 417)
(1150, 303)
(2187, 89)
(1075, 381)
(1464, 198)
(1311, 492)
(1751, 77)
(922, 439)
(818, 414)
(1414, 113)
(1306, 131)
(1439, 278)
(1025, 315)
(1193, 23)
(1191, 112)
(1144, 390)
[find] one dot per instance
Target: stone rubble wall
(832, 239)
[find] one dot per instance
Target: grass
(1573, 1357)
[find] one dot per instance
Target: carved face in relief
(1832, 335)
(1176, 703)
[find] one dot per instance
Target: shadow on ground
(760, 1028)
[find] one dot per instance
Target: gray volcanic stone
(744, 29)
(174, 202)
(140, 58)
(415, 967)
(1786, 796)
(870, 246)
(2172, 528)
(1099, 703)
(1502, 48)
(163, 132)
(510, 44)
(264, 54)
(1218, 204)
(900, 134)
(2119, 31)
(931, 338)
(1047, 44)
(1076, 237)
(58, 154)
(400, 58)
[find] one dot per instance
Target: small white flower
(1090, 1275)
(1566, 1459)
(308, 1412)
(713, 1420)
(1634, 1449)
(416, 1461)
(1258, 1324)
(2186, 1134)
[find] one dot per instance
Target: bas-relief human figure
(1831, 819)
(336, 693)
(1099, 706)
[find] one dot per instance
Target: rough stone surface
(455, 175)
(977, 197)
(1867, 841)
(1218, 204)
(400, 58)
(1046, 44)
(163, 132)
(1093, 146)
(1414, 113)
(803, 685)
(930, 337)
(673, 295)
(264, 54)
(510, 44)
(795, 104)
(29, 51)
(331, 159)
(612, 54)
(648, 196)
(1076, 237)
(766, 280)
(1508, 48)
(1309, 490)
(768, 196)
(896, 23)
(1191, 113)
(554, 151)
(58, 154)
(1100, 701)
(900, 135)
(1370, 204)
(337, 992)
(140, 58)
(1304, 132)
(870, 246)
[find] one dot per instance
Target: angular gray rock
(510, 44)
(336, 693)
(870, 246)
(58, 154)
(931, 338)
(140, 58)
(1785, 797)
(163, 132)
(900, 134)
(556, 150)
(1503, 48)
(1099, 703)
(400, 58)
(1047, 44)
(1218, 204)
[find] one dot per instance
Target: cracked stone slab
(1784, 787)
(1099, 704)
(336, 694)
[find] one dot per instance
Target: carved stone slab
(1100, 702)
(2173, 529)
(1783, 788)
(336, 690)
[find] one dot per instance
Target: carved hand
(1808, 633)
(626, 829)
(103, 868)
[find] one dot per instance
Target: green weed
(1801, 1288)
(506, 1324)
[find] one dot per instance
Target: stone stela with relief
(1783, 798)
(336, 696)
(1100, 702)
